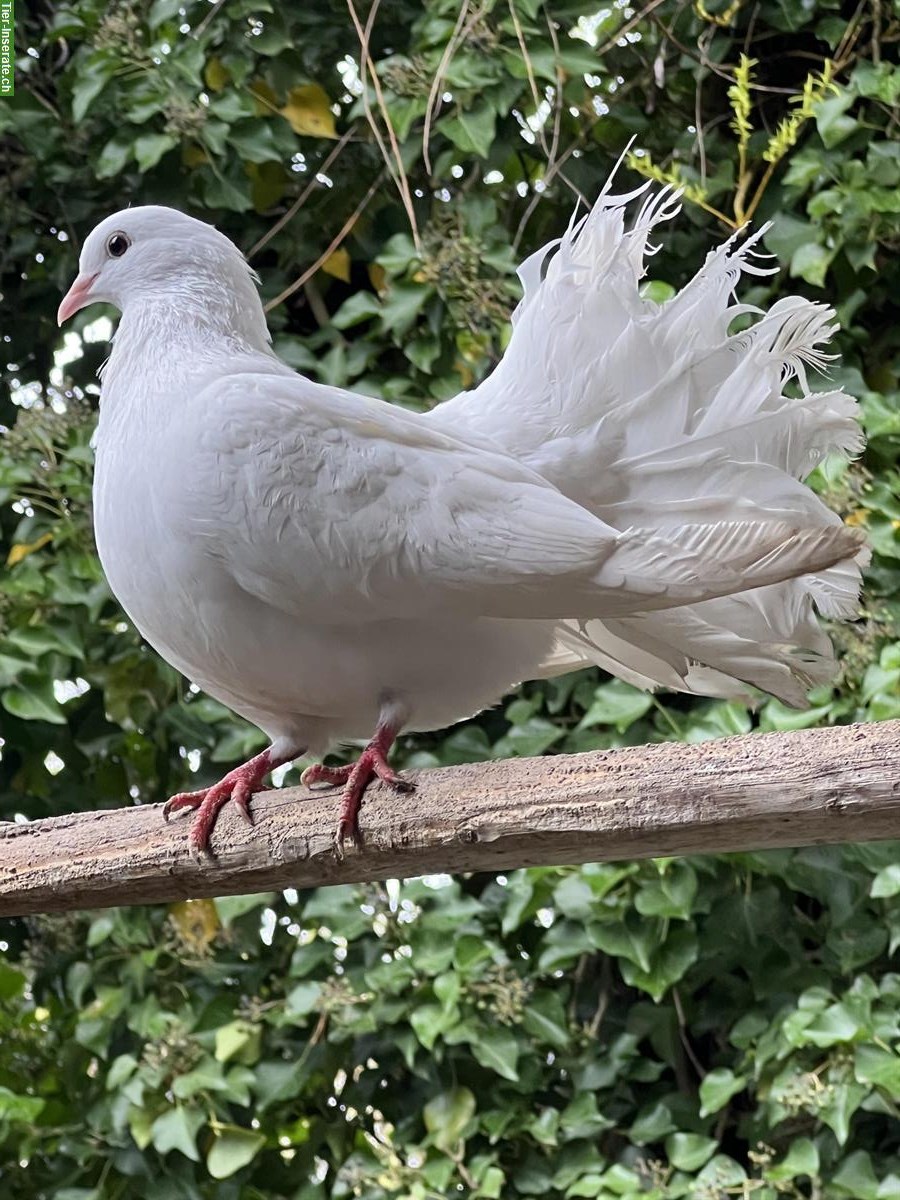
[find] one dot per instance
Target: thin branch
(529, 68)
(593, 1026)
(333, 245)
(210, 16)
(722, 70)
(683, 1034)
(753, 792)
(433, 105)
(303, 197)
(368, 68)
(367, 106)
(317, 305)
(628, 26)
(558, 92)
(535, 200)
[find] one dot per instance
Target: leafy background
(721, 1026)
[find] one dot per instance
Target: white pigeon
(624, 490)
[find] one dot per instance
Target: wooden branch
(743, 793)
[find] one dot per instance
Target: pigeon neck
(232, 316)
(170, 342)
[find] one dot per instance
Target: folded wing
(339, 508)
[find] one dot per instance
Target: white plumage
(625, 489)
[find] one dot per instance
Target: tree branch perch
(752, 792)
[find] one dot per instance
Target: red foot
(238, 785)
(355, 778)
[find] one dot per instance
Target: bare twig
(333, 245)
(550, 149)
(317, 305)
(529, 68)
(434, 95)
(593, 1027)
(628, 26)
(558, 93)
(537, 197)
(683, 1034)
(210, 17)
(303, 197)
(397, 169)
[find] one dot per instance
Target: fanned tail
(667, 418)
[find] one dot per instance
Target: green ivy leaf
(498, 1050)
(303, 999)
(545, 1019)
(802, 1158)
(842, 1104)
(238, 1041)
(177, 1129)
(835, 1024)
(232, 1149)
(12, 981)
(678, 953)
(833, 122)
(616, 703)
(361, 306)
(34, 702)
(716, 1089)
(113, 158)
(886, 883)
(634, 942)
(652, 1124)
(811, 262)
(429, 1021)
(447, 1115)
(671, 895)
(471, 132)
(689, 1151)
(855, 1178)
(150, 148)
(14, 1107)
(93, 78)
(875, 1064)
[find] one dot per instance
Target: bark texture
(743, 793)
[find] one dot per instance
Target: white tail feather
(663, 417)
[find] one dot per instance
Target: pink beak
(78, 295)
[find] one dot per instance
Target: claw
(200, 854)
(242, 800)
(318, 773)
(185, 800)
(347, 831)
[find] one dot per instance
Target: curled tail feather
(665, 418)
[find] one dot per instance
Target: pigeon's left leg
(238, 785)
(356, 777)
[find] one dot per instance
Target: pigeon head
(156, 259)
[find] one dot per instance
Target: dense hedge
(724, 1026)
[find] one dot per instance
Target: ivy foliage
(723, 1026)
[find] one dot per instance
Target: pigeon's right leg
(355, 778)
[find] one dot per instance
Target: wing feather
(339, 508)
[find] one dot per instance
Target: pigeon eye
(117, 244)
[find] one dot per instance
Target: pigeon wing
(337, 507)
